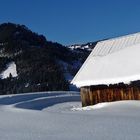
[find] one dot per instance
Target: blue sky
(74, 21)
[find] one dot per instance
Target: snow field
(59, 116)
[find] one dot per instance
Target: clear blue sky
(74, 21)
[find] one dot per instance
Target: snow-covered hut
(111, 72)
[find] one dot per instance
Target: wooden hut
(111, 72)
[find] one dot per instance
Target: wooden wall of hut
(96, 94)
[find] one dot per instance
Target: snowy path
(50, 116)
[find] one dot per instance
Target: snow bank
(11, 68)
(57, 121)
(97, 106)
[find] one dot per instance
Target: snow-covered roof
(111, 61)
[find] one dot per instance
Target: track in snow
(39, 101)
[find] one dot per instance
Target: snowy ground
(59, 116)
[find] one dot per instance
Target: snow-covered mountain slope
(88, 46)
(11, 69)
(59, 116)
(69, 70)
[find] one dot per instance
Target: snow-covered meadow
(59, 116)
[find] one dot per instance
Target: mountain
(88, 46)
(31, 63)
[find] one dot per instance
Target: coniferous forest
(41, 64)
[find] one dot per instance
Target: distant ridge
(41, 65)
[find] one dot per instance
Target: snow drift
(59, 116)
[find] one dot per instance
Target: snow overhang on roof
(111, 61)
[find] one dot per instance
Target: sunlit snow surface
(59, 116)
(11, 68)
(112, 61)
(97, 106)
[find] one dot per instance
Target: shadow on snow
(39, 101)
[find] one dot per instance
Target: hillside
(39, 64)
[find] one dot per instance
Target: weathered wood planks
(96, 94)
